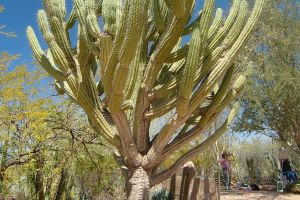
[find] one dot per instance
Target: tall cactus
(130, 66)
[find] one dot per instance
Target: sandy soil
(258, 195)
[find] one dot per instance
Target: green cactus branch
(197, 149)
(130, 66)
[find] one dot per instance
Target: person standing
(226, 171)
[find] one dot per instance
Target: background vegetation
(48, 151)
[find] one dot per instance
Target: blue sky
(18, 14)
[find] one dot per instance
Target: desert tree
(130, 65)
(271, 99)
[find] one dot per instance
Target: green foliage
(48, 148)
(271, 99)
(97, 173)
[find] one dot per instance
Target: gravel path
(258, 195)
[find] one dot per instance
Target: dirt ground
(258, 195)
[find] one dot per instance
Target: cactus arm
(62, 40)
(113, 57)
(216, 106)
(137, 20)
(189, 28)
(109, 14)
(238, 25)
(197, 149)
(135, 71)
(177, 6)
(41, 57)
(82, 12)
(225, 85)
(225, 62)
(203, 124)
(98, 122)
(197, 43)
(200, 95)
(105, 46)
(92, 22)
(237, 86)
(89, 82)
(205, 66)
(215, 24)
(55, 8)
(178, 55)
(58, 55)
(72, 19)
(158, 16)
(86, 59)
(162, 108)
(182, 52)
(169, 39)
(129, 149)
(228, 24)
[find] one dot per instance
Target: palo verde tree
(130, 66)
(22, 116)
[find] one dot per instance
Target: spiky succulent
(131, 65)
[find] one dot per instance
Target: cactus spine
(130, 66)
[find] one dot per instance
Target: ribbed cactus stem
(189, 29)
(136, 20)
(57, 53)
(215, 24)
(223, 65)
(56, 8)
(92, 25)
(111, 66)
(131, 64)
(59, 89)
(72, 19)
(228, 24)
(158, 16)
(238, 25)
(223, 89)
(177, 7)
(41, 57)
(233, 113)
(197, 44)
(109, 14)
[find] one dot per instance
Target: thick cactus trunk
(139, 185)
